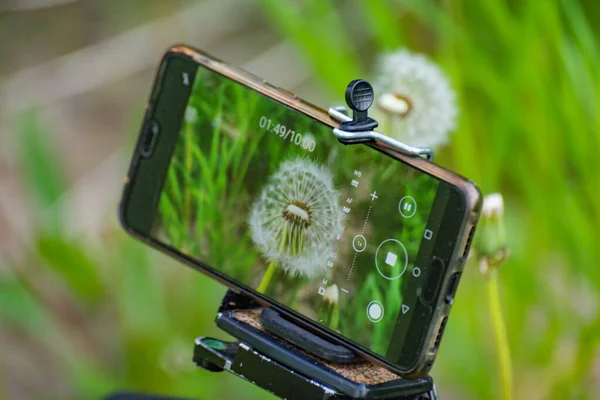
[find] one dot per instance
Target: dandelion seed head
(414, 101)
(295, 219)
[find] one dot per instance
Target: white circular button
(375, 311)
(359, 243)
(407, 206)
(391, 259)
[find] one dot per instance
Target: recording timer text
(305, 141)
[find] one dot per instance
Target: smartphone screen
(266, 196)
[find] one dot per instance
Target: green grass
(113, 314)
(107, 313)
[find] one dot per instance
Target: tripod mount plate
(287, 371)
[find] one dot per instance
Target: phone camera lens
(149, 137)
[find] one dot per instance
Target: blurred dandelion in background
(414, 101)
(491, 251)
(295, 220)
(491, 246)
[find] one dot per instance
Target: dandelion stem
(499, 328)
(264, 283)
(335, 317)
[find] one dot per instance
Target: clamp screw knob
(359, 97)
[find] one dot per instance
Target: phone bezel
(467, 192)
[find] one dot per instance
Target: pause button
(407, 206)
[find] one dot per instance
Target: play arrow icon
(405, 308)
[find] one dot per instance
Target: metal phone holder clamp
(284, 358)
(359, 128)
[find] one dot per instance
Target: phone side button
(452, 286)
(288, 93)
(149, 136)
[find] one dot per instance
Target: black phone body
(245, 182)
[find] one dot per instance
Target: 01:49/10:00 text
(307, 142)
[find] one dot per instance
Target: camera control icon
(359, 243)
(407, 206)
(375, 311)
(391, 259)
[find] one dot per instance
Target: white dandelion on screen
(295, 219)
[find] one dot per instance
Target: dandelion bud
(414, 102)
(493, 206)
(191, 114)
(490, 243)
(329, 314)
(332, 295)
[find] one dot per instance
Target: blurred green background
(84, 309)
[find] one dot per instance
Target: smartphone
(247, 183)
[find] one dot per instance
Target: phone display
(270, 198)
(266, 197)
